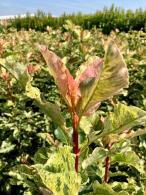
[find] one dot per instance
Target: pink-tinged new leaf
(67, 85)
(110, 80)
(88, 70)
(87, 77)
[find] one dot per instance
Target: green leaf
(85, 125)
(103, 189)
(50, 109)
(27, 176)
(128, 158)
(41, 156)
(47, 137)
(89, 123)
(6, 147)
(18, 70)
(104, 82)
(97, 154)
(60, 135)
(123, 118)
(58, 174)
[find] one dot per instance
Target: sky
(58, 7)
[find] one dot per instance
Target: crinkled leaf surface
(102, 82)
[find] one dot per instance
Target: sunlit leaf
(87, 78)
(103, 189)
(97, 154)
(58, 174)
(123, 118)
(128, 158)
(108, 81)
(50, 109)
(6, 147)
(18, 70)
(87, 123)
(64, 80)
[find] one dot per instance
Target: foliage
(108, 132)
(108, 19)
(56, 175)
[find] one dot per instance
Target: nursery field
(67, 135)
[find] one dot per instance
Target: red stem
(76, 149)
(75, 140)
(107, 166)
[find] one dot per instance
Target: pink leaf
(92, 70)
(87, 77)
(67, 85)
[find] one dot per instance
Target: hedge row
(108, 19)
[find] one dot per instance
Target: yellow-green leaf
(107, 82)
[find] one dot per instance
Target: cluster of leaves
(108, 19)
(25, 128)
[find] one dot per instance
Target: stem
(76, 149)
(107, 166)
(10, 94)
(75, 140)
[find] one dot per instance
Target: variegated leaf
(52, 110)
(87, 78)
(99, 83)
(18, 70)
(58, 174)
(123, 118)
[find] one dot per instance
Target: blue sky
(58, 7)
